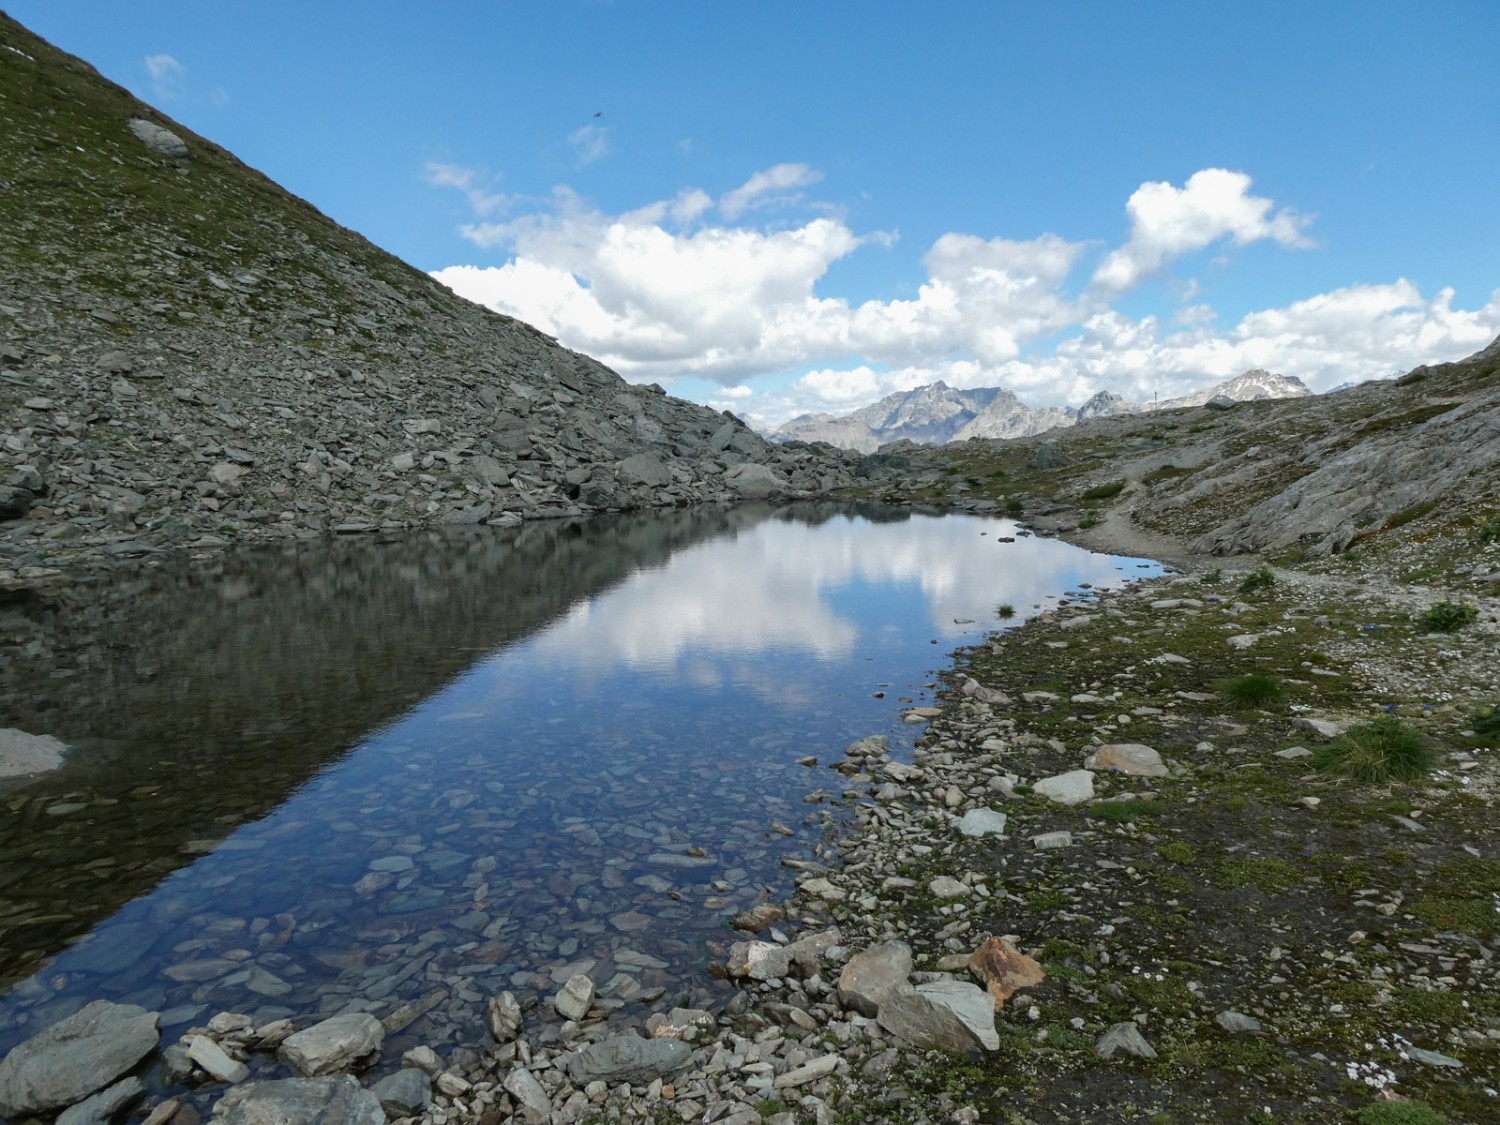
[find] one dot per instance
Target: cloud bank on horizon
(728, 291)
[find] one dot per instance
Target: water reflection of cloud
(786, 586)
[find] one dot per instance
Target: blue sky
(787, 207)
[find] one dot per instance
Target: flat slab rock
(1134, 758)
(338, 1100)
(945, 1015)
(337, 1043)
(627, 1058)
(1071, 788)
(75, 1057)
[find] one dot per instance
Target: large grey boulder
(645, 468)
(873, 976)
(338, 1043)
(750, 479)
(74, 1057)
(300, 1101)
(947, 1015)
(158, 139)
(627, 1058)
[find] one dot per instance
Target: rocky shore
(1101, 888)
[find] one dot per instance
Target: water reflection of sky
(825, 592)
(666, 712)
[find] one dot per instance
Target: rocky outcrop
(189, 354)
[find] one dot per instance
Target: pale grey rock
(945, 886)
(627, 1058)
(158, 139)
(982, 822)
(1045, 840)
(872, 976)
(1237, 1023)
(1292, 753)
(1124, 1038)
(338, 1100)
(759, 960)
(337, 1043)
(1132, 758)
(1434, 1058)
(808, 1072)
(523, 1086)
(1324, 728)
(22, 754)
(75, 1057)
(1071, 788)
(423, 1058)
(214, 1061)
(404, 1094)
(503, 1017)
(572, 1002)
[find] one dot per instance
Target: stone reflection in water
(197, 697)
(597, 797)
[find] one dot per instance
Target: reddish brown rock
(1004, 969)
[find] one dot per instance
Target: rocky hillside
(937, 413)
(1370, 466)
(189, 354)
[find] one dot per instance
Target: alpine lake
(403, 774)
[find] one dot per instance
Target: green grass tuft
(1105, 491)
(1447, 617)
(1254, 690)
(1383, 750)
(1400, 1113)
(1005, 610)
(1259, 579)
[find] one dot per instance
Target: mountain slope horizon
(935, 413)
(191, 354)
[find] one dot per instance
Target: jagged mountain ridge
(191, 354)
(935, 413)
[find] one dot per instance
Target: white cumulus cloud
(1167, 222)
(687, 286)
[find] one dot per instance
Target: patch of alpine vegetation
(1125, 793)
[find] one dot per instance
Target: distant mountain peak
(935, 413)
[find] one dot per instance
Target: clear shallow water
(402, 777)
